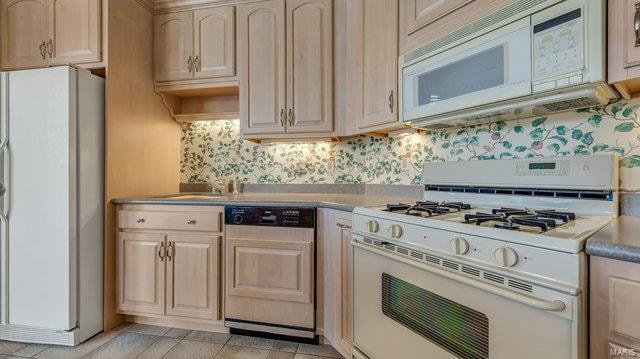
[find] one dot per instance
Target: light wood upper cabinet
(193, 269)
(214, 41)
(262, 67)
(173, 36)
(422, 21)
(380, 63)
(24, 33)
(75, 31)
(195, 45)
(285, 57)
(309, 66)
(37, 33)
(421, 13)
(141, 272)
(623, 47)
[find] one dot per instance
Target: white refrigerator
(51, 238)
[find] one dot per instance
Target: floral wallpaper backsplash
(213, 150)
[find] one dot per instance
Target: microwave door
(488, 69)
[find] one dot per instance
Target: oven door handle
(538, 303)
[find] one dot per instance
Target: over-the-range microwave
(529, 58)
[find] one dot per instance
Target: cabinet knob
(140, 220)
(191, 221)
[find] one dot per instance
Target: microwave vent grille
(581, 102)
(516, 8)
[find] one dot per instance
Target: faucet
(221, 186)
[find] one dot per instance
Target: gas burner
(430, 208)
(521, 219)
(399, 207)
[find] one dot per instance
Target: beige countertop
(619, 240)
(344, 202)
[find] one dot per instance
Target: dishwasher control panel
(270, 216)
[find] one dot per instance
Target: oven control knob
(395, 231)
(237, 219)
(506, 257)
(373, 226)
(459, 245)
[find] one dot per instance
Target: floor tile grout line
(148, 346)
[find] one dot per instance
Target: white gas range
(489, 265)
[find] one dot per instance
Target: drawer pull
(140, 220)
(191, 221)
(345, 226)
(170, 251)
(161, 252)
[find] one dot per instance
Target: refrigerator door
(41, 198)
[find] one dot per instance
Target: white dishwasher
(270, 271)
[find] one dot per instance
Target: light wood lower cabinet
(193, 266)
(141, 273)
(335, 242)
(167, 271)
(614, 310)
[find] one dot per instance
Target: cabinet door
(141, 272)
(346, 299)
(309, 66)
(261, 67)
(193, 263)
(270, 269)
(173, 36)
(24, 33)
(214, 41)
(380, 63)
(420, 13)
(74, 31)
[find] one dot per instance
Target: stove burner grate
(521, 219)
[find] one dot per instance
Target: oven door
(404, 309)
(490, 68)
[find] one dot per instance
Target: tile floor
(148, 341)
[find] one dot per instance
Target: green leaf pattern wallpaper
(212, 150)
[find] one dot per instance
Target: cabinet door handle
(636, 23)
(170, 250)
(196, 64)
(290, 115)
(390, 101)
(191, 221)
(190, 64)
(345, 226)
(282, 117)
(140, 220)
(161, 252)
(43, 47)
(50, 48)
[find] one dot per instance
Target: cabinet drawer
(209, 221)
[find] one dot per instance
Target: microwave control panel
(558, 49)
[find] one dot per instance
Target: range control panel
(270, 216)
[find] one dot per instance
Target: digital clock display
(542, 166)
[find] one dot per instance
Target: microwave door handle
(636, 23)
(531, 301)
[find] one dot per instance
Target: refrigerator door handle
(4, 111)
(6, 181)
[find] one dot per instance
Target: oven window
(477, 72)
(462, 331)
